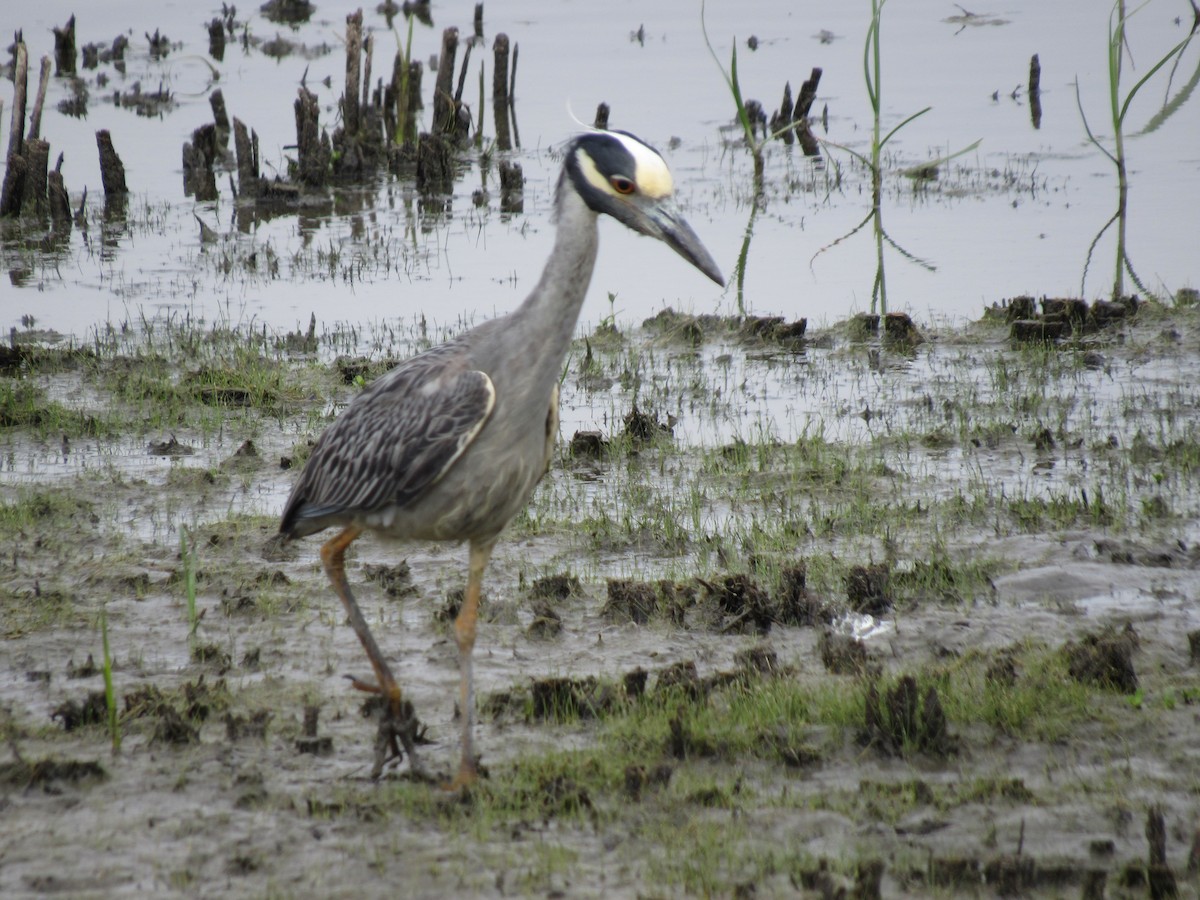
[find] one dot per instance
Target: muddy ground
(603, 781)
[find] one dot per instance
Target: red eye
(622, 185)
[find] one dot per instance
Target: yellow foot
(467, 776)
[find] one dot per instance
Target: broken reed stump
(783, 117)
(112, 171)
(220, 117)
(35, 120)
(512, 96)
(314, 150)
(358, 145)
(1161, 878)
(13, 192)
(435, 165)
(247, 159)
(1035, 91)
(20, 85)
(60, 203)
(444, 115)
(368, 50)
(401, 100)
(500, 50)
(37, 157)
(64, 48)
(800, 115)
(216, 40)
(350, 102)
(199, 154)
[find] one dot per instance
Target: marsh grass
(702, 816)
(188, 561)
(24, 405)
(110, 696)
(1118, 106)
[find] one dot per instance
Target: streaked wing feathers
(396, 440)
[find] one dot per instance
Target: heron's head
(615, 173)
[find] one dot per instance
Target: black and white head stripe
(615, 163)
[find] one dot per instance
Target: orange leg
(464, 633)
(398, 720)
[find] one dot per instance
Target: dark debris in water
(288, 12)
(170, 447)
(643, 427)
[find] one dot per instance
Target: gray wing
(394, 441)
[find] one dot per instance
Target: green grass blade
(902, 124)
(110, 697)
(1178, 48)
(1087, 127)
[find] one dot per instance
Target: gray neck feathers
(551, 311)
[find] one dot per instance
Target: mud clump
(842, 654)
(562, 795)
(177, 714)
(742, 604)
(557, 700)
(588, 445)
(1104, 659)
(546, 624)
(643, 427)
(555, 587)
(1060, 316)
(868, 590)
(682, 677)
(72, 714)
(638, 779)
(634, 682)
(213, 655)
(254, 725)
(564, 699)
(309, 741)
(43, 773)
(396, 581)
(775, 329)
(630, 601)
(795, 605)
(683, 743)
(172, 728)
(87, 670)
(903, 721)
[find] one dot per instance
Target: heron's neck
(552, 309)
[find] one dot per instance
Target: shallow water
(1017, 215)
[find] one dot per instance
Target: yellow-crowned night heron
(449, 445)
